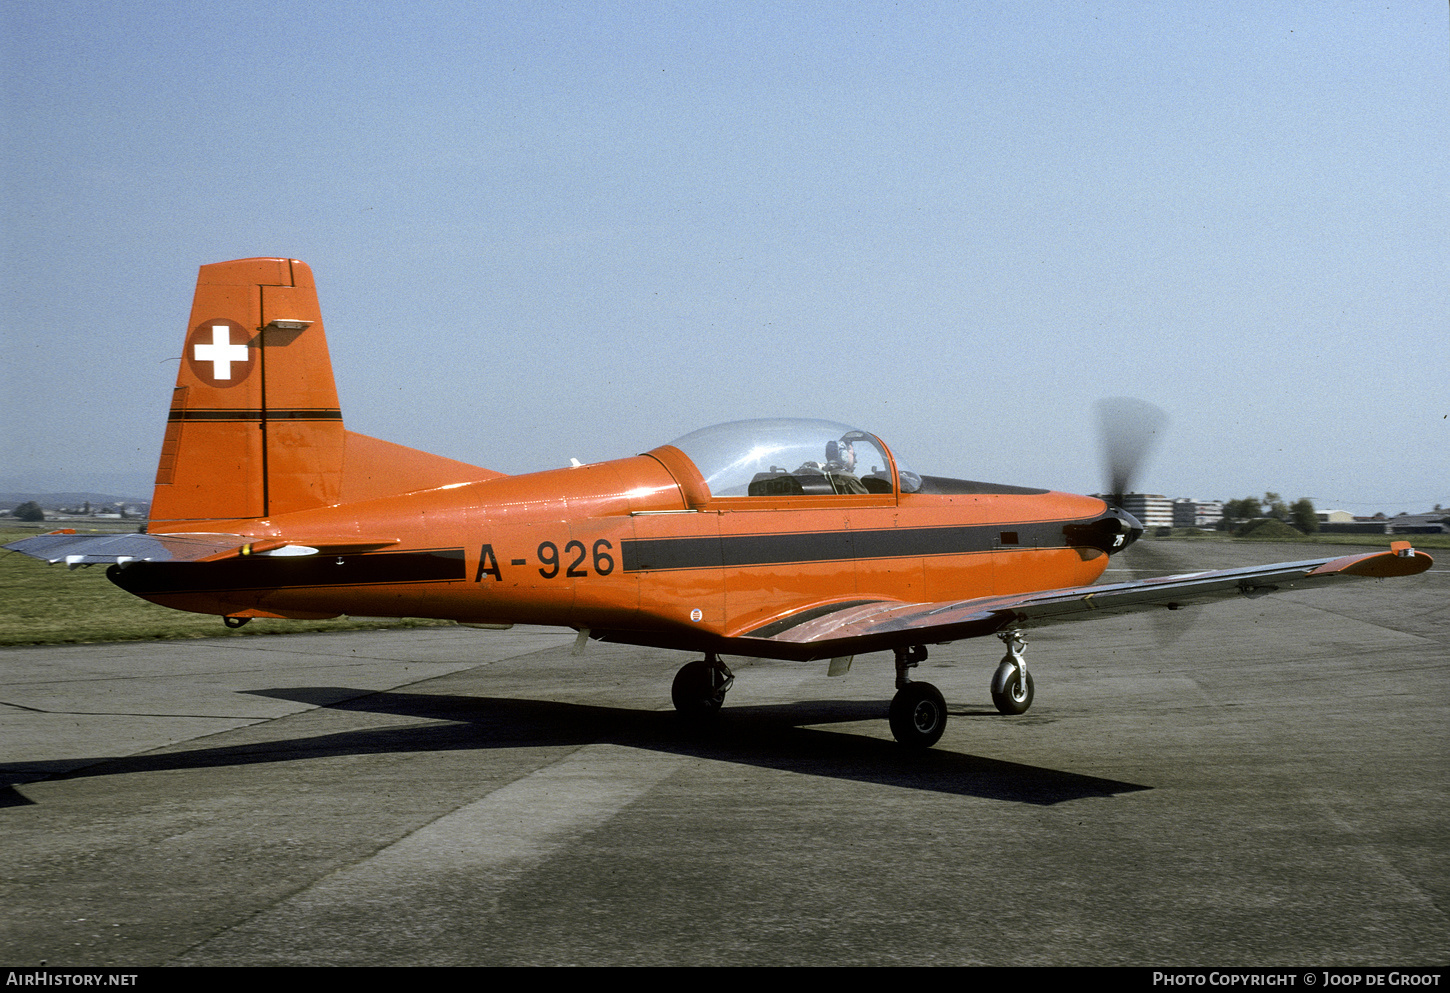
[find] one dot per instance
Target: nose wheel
(1012, 683)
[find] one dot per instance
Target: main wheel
(918, 715)
(694, 691)
(1010, 692)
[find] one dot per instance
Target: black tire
(1010, 692)
(694, 690)
(918, 715)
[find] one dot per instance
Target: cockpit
(785, 457)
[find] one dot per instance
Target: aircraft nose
(1111, 533)
(1128, 526)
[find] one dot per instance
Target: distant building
(1210, 512)
(1334, 517)
(1184, 512)
(1354, 527)
(1191, 513)
(1434, 523)
(1153, 510)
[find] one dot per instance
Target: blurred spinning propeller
(1128, 429)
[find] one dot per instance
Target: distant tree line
(1300, 513)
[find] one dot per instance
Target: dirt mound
(1269, 529)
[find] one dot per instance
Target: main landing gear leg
(918, 711)
(1012, 683)
(700, 686)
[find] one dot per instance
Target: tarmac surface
(1260, 782)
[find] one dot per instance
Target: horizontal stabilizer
(91, 549)
(118, 549)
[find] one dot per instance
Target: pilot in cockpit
(840, 467)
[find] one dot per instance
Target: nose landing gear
(1012, 683)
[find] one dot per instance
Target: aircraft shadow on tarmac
(764, 736)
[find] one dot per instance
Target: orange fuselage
(616, 547)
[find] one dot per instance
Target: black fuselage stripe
(258, 572)
(256, 414)
(714, 552)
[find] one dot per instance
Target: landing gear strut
(918, 711)
(700, 686)
(1012, 683)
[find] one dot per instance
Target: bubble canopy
(790, 456)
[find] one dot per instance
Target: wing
(90, 549)
(855, 628)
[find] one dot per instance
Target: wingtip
(1400, 560)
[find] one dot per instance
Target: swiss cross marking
(221, 353)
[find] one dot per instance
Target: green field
(43, 604)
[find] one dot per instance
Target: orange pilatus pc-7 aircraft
(784, 539)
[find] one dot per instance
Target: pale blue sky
(543, 231)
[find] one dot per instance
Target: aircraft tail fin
(255, 429)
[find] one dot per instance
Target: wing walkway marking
(356, 915)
